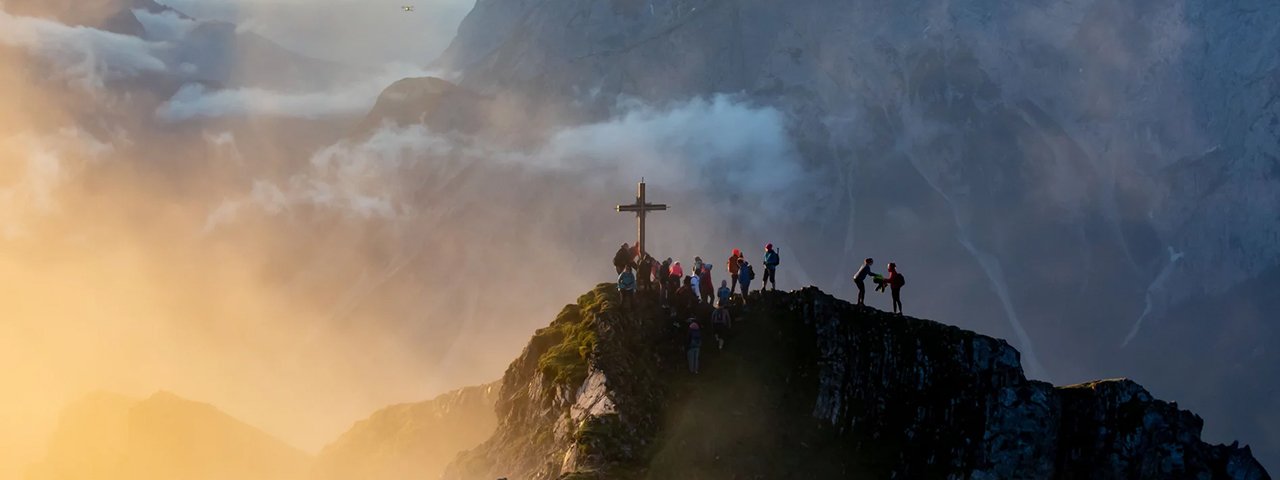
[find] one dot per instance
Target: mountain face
(807, 386)
(411, 441)
(1075, 177)
(162, 437)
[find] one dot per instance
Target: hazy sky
(359, 32)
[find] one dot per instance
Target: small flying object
(407, 8)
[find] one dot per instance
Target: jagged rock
(889, 396)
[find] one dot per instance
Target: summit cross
(641, 209)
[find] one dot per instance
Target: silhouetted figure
(771, 261)
(861, 276)
(721, 322)
(695, 345)
(896, 281)
(725, 292)
(622, 258)
(644, 273)
(664, 280)
(685, 301)
(627, 287)
(745, 275)
(732, 267)
(707, 285)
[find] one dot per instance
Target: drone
(407, 8)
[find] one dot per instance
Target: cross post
(641, 209)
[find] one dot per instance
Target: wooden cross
(641, 209)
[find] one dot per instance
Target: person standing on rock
(725, 293)
(695, 345)
(664, 280)
(745, 275)
(708, 285)
(627, 287)
(771, 261)
(695, 281)
(733, 269)
(862, 276)
(622, 258)
(896, 281)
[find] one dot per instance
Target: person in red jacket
(734, 259)
(896, 281)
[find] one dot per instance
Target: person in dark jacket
(685, 299)
(861, 276)
(644, 273)
(622, 258)
(705, 283)
(896, 281)
(695, 345)
(771, 261)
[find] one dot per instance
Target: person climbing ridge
(644, 277)
(664, 280)
(896, 281)
(721, 322)
(695, 281)
(627, 287)
(734, 256)
(745, 275)
(859, 277)
(725, 293)
(771, 261)
(695, 345)
(684, 300)
(708, 285)
(622, 258)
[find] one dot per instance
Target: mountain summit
(808, 386)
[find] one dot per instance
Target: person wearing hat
(695, 345)
(734, 257)
(771, 261)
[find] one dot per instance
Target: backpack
(750, 273)
(771, 258)
(898, 280)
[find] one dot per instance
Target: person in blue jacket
(771, 261)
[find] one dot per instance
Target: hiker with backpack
(745, 275)
(862, 275)
(694, 345)
(896, 281)
(684, 299)
(627, 287)
(771, 261)
(695, 281)
(721, 322)
(622, 258)
(733, 269)
(644, 277)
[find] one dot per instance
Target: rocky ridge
(591, 396)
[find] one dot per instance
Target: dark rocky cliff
(809, 386)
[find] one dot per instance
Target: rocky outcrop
(413, 440)
(890, 396)
(959, 399)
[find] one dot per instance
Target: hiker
(622, 258)
(664, 280)
(896, 281)
(697, 265)
(627, 287)
(695, 281)
(695, 345)
(644, 279)
(708, 285)
(862, 274)
(725, 292)
(684, 300)
(733, 269)
(720, 324)
(745, 275)
(771, 261)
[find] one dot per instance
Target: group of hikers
(687, 293)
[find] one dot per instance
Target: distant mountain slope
(164, 437)
(411, 441)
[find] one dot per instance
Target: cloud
(38, 166)
(195, 101)
(167, 25)
(85, 56)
